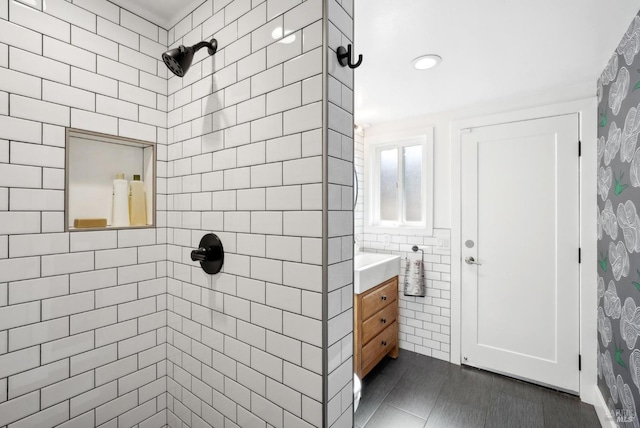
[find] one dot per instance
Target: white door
(520, 223)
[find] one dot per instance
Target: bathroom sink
(372, 269)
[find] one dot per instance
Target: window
(400, 184)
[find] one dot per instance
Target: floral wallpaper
(619, 230)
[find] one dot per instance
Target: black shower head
(179, 60)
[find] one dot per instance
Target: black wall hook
(344, 57)
(210, 254)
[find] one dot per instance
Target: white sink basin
(372, 269)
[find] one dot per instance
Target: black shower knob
(210, 254)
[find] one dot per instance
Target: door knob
(210, 254)
(471, 261)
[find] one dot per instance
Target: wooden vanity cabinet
(375, 326)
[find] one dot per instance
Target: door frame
(587, 116)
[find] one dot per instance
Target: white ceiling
(491, 49)
(165, 13)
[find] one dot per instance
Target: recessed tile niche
(93, 160)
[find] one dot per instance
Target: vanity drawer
(379, 346)
(379, 297)
(378, 322)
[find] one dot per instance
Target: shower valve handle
(210, 254)
(199, 255)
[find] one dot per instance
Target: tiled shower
(119, 328)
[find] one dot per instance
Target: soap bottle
(137, 202)
(120, 204)
(149, 202)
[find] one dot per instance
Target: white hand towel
(414, 278)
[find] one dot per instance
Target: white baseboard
(602, 410)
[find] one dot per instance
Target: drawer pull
(384, 343)
(383, 320)
(383, 297)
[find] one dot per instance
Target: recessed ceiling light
(425, 62)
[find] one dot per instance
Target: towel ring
(415, 249)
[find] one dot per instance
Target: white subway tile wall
(121, 328)
(340, 220)
(245, 147)
(425, 322)
(82, 315)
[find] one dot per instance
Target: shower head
(179, 60)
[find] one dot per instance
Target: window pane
(412, 176)
(388, 185)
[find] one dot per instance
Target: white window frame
(373, 147)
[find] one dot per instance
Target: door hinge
(579, 362)
(579, 148)
(579, 255)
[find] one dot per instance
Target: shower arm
(212, 45)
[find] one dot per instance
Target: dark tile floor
(423, 392)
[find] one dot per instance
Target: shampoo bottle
(137, 202)
(120, 204)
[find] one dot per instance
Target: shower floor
(417, 391)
